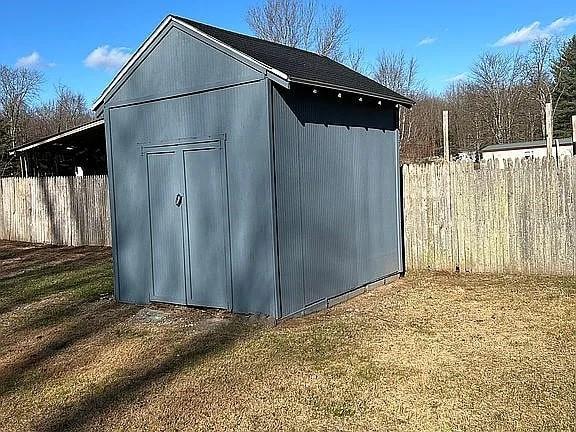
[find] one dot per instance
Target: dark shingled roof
(300, 66)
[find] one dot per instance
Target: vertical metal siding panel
(166, 231)
(132, 252)
(270, 108)
(378, 217)
(381, 200)
(236, 111)
(363, 198)
(328, 211)
(337, 173)
(288, 213)
(207, 228)
(112, 206)
(399, 205)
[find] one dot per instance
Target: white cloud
(535, 31)
(31, 60)
(427, 41)
(457, 78)
(109, 59)
(561, 23)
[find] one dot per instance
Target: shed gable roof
(300, 65)
(283, 62)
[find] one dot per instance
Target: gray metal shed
(247, 175)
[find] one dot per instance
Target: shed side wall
(337, 197)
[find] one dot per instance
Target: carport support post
(445, 131)
(549, 128)
(23, 167)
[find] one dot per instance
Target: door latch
(178, 201)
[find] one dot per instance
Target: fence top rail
(54, 178)
(496, 163)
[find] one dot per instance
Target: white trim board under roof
(257, 52)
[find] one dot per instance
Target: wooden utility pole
(445, 131)
(574, 128)
(549, 129)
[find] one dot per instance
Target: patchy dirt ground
(431, 352)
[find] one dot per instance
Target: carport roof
(283, 62)
(87, 128)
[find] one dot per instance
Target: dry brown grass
(431, 352)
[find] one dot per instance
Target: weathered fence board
(517, 217)
(57, 210)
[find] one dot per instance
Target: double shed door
(189, 231)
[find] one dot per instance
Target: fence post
(446, 135)
(549, 129)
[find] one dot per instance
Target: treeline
(501, 100)
(24, 117)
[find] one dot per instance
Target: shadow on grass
(82, 279)
(17, 258)
(70, 287)
(101, 318)
(65, 296)
(77, 414)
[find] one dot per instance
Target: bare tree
(301, 24)
(18, 88)
(425, 139)
(288, 22)
(70, 108)
(331, 33)
(500, 80)
(467, 130)
(66, 111)
(545, 89)
(400, 73)
(355, 59)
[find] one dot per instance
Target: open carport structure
(77, 151)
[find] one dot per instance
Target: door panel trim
(179, 147)
(153, 297)
(192, 148)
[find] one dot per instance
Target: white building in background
(527, 149)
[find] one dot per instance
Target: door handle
(178, 201)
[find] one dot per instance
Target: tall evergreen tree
(564, 70)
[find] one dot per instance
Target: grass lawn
(431, 352)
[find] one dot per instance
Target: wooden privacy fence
(56, 210)
(519, 217)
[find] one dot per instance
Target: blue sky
(60, 37)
